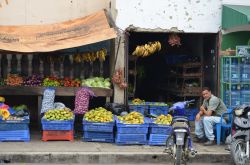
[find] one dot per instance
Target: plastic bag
(21, 113)
(82, 100)
(116, 108)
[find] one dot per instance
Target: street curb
(106, 158)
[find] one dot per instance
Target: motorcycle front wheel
(178, 155)
(238, 151)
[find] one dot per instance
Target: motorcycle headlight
(238, 112)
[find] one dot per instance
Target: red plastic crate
(58, 135)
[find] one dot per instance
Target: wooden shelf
(186, 75)
(183, 93)
(60, 91)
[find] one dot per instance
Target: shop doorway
(174, 73)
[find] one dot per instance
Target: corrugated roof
(235, 15)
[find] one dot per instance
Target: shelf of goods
(178, 81)
(60, 91)
(235, 80)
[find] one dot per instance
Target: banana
(158, 46)
(136, 51)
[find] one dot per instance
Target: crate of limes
(58, 119)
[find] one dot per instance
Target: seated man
(209, 114)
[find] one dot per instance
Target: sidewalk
(37, 151)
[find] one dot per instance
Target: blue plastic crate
(19, 135)
(158, 110)
(160, 129)
(143, 108)
(55, 125)
(98, 137)
(157, 139)
(132, 128)
(98, 126)
(190, 113)
(123, 139)
(14, 125)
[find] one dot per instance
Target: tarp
(44, 38)
(235, 15)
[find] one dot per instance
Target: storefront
(235, 51)
(194, 59)
(62, 55)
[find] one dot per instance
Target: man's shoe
(209, 143)
(199, 140)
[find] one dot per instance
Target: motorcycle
(240, 135)
(179, 142)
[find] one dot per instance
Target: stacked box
(157, 108)
(131, 133)
(14, 130)
(141, 108)
(98, 131)
(190, 113)
(57, 130)
(158, 133)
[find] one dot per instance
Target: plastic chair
(221, 127)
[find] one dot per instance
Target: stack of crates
(57, 130)
(98, 131)
(232, 74)
(127, 134)
(157, 108)
(15, 130)
(158, 133)
(141, 108)
(191, 113)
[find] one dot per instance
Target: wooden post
(0, 65)
(91, 69)
(41, 67)
(101, 68)
(39, 106)
(82, 75)
(30, 57)
(19, 57)
(61, 69)
(72, 66)
(9, 56)
(52, 68)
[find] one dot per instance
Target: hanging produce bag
(48, 99)
(82, 100)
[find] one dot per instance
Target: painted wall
(24, 12)
(184, 15)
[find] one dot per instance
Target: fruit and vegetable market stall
(39, 56)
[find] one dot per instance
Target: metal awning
(44, 38)
(235, 15)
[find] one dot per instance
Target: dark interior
(153, 71)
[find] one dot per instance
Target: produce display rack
(60, 91)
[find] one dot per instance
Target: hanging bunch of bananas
(101, 54)
(147, 49)
(89, 57)
(77, 58)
